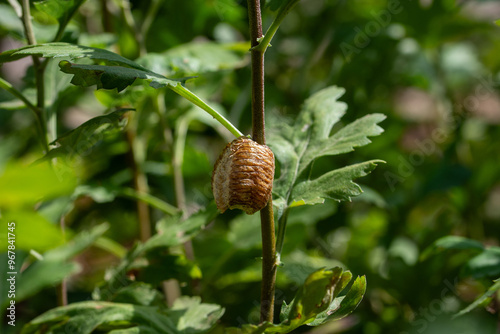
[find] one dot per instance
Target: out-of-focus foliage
(425, 232)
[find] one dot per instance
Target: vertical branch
(140, 185)
(255, 20)
(39, 68)
(258, 134)
(62, 289)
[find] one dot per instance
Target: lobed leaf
(297, 146)
(336, 185)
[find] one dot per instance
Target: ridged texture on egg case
(243, 176)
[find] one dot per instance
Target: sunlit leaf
(336, 185)
(32, 231)
(26, 185)
(297, 146)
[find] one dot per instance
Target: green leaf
(345, 305)
(58, 50)
(53, 267)
(32, 230)
(194, 59)
(172, 231)
(336, 185)
(81, 140)
(41, 275)
(297, 146)
(249, 329)
(61, 10)
(187, 315)
(497, 22)
(314, 296)
(482, 300)
(138, 293)
(317, 302)
(152, 270)
(111, 77)
(486, 264)
(451, 242)
(25, 185)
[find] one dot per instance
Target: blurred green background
(432, 67)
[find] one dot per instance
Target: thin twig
(258, 133)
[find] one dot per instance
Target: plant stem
(62, 289)
(148, 20)
(151, 200)
(131, 25)
(258, 133)
(8, 87)
(281, 235)
(39, 73)
(190, 96)
(266, 40)
(140, 186)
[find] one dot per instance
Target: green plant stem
(62, 290)
(150, 200)
(39, 74)
(8, 87)
(148, 20)
(131, 25)
(280, 237)
(190, 96)
(265, 42)
(269, 265)
(177, 161)
(140, 185)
